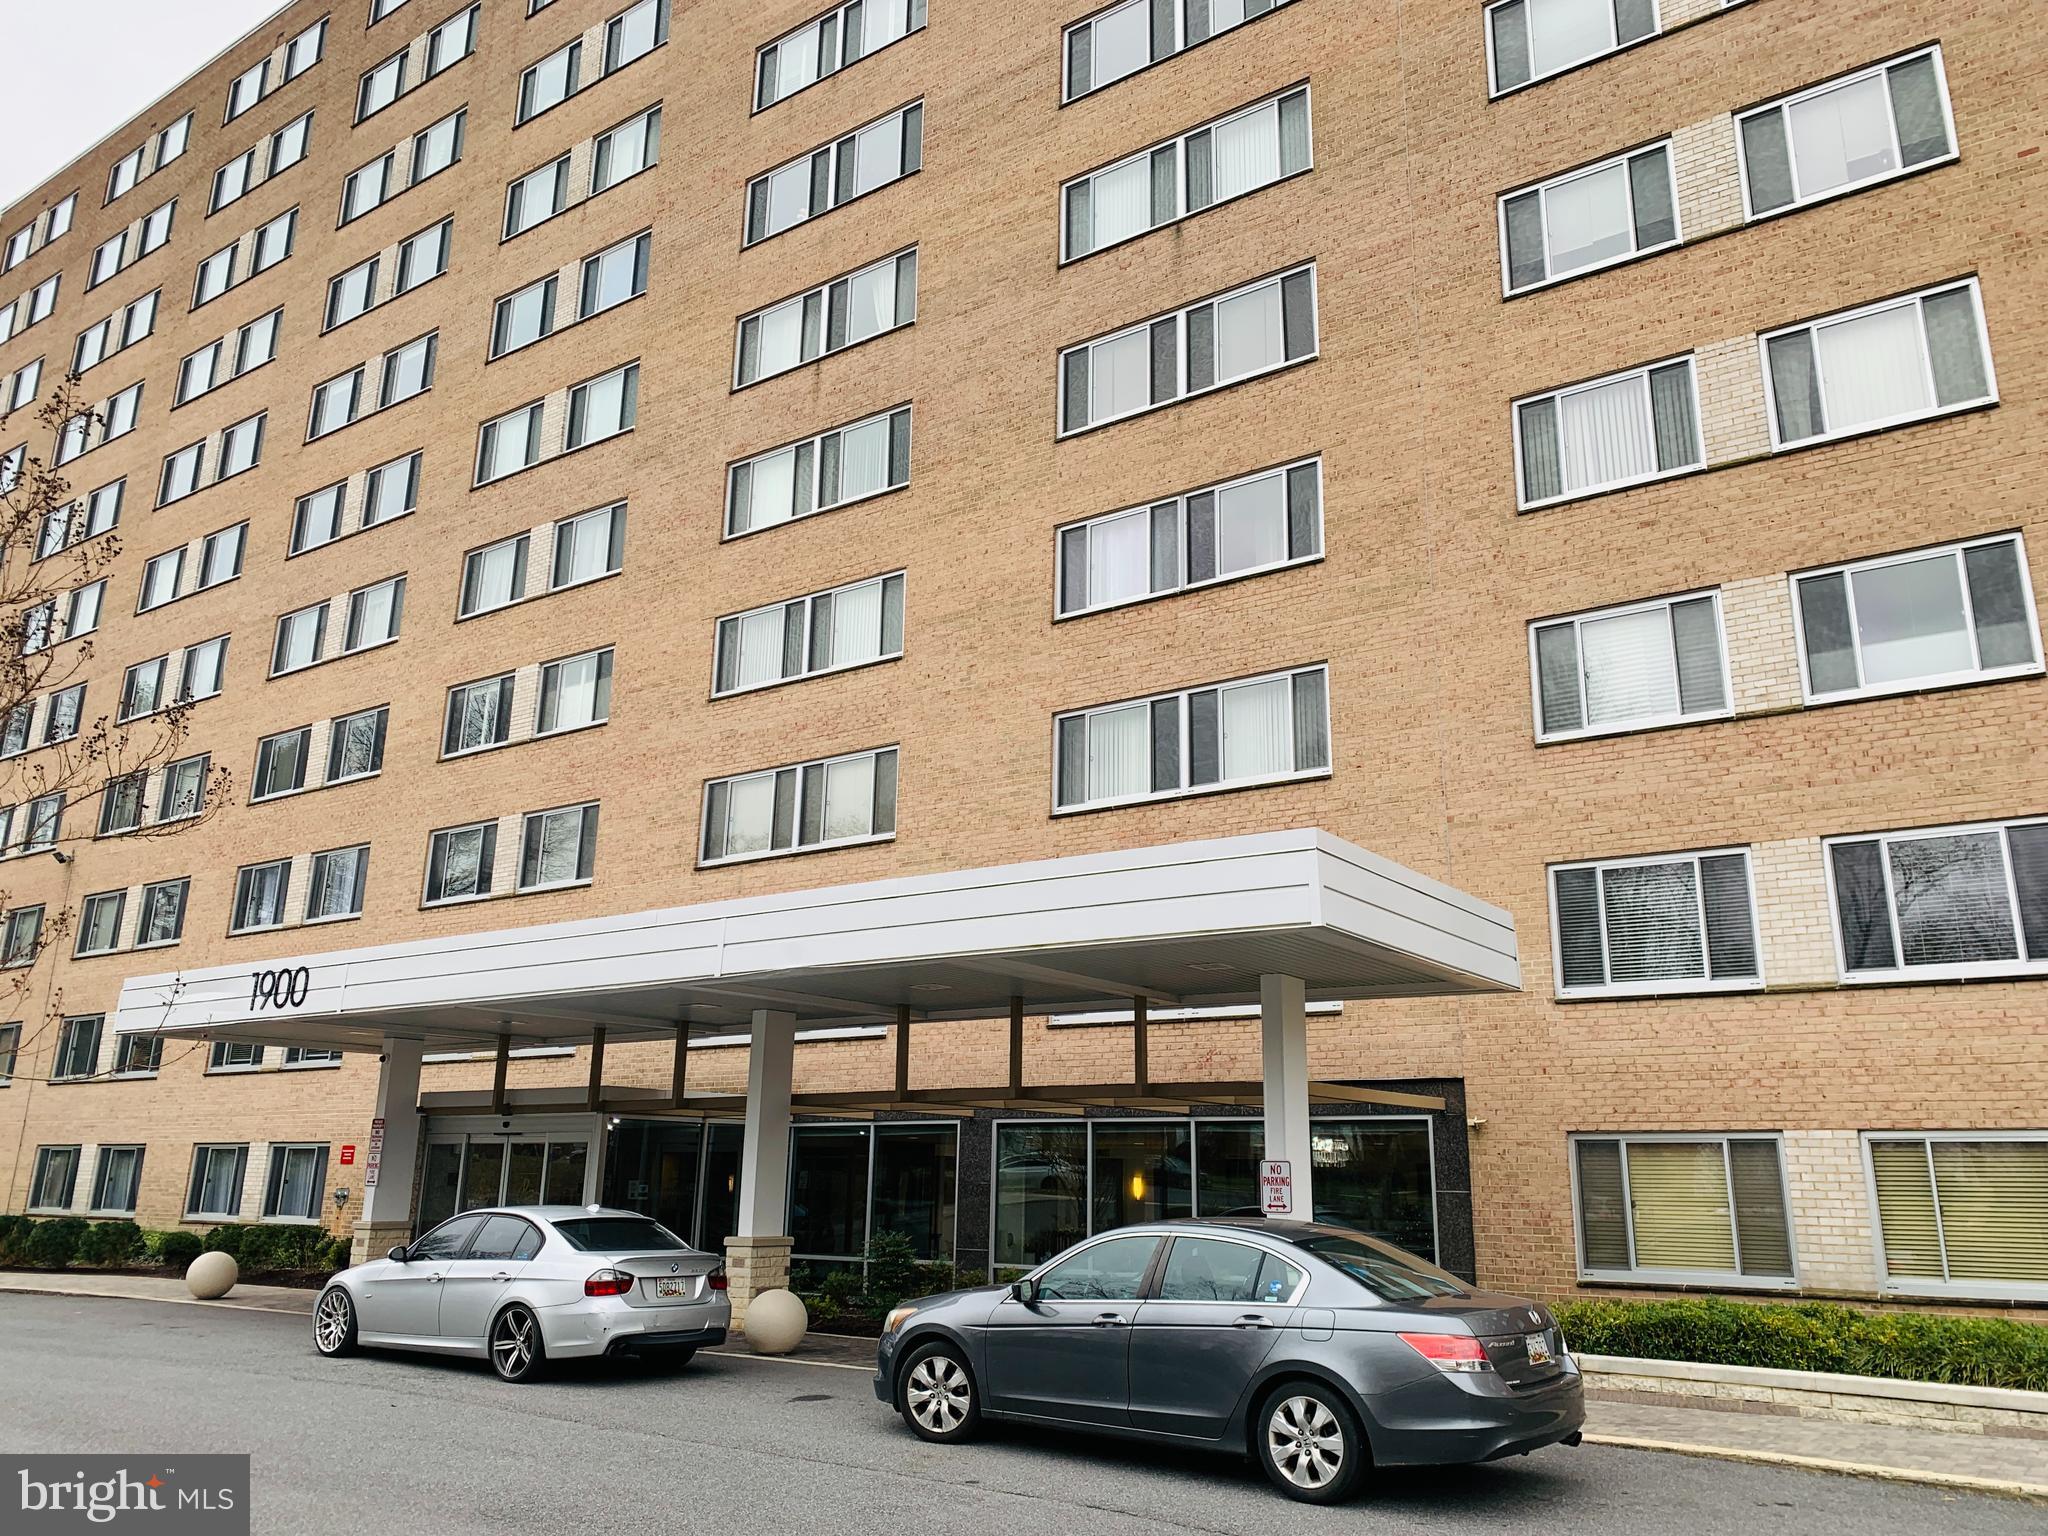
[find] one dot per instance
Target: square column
(1283, 1055)
(757, 1255)
(385, 1218)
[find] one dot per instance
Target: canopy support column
(392, 1162)
(757, 1256)
(1283, 1042)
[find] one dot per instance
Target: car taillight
(717, 1280)
(1449, 1351)
(609, 1282)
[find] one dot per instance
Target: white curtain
(761, 648)
(1255, 735)
(782, 338)
(1119, 752)
(1120, 203)
(575, 693)
(771, 491)
(494, 571)
(1248, 333)
(298, 639)
(796, 61)
(590, 552)
(1629, 672)
(1120, 558)
(750, 814)
(1123, 42)
(878, 155)
(1225, 13)
(789, 196)
(882, 22)
(872, 300)
(863, 459)
(1870, 367)
(1251, 524)
(856, 624)
(1587, 219)
(1247, 151)
(510, 440)
(1562, 32)
(604, 406)
(295, 1196)
(1909, 620)
(1606, 433)
(850, 796)
(1842, 136)
(1119, 375)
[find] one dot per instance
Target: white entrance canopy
(1184, 925)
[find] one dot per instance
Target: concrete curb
(11, 1289)
(1961, 1482)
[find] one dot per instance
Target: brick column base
(374, 1239)
(754, 1265)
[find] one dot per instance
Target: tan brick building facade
(1419, 602)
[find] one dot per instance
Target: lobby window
(1225, 159)
(1629, 669)
(840, 314)
(1884, 365)
(829, 43)
(828, 803)
(833, 469)
(216, 1187)
(1531, 39)
(1670, 924)
(494, 576)
(508, 444)
(574, 692)
(260, 892)
(557, 847)
(536, 197)
(479, 715)
(23, 937)
(625, 151)
(849, 1184)
(116, 1180)
(1927, 619)
(281, 764)
(1959, 1213)
(163, 913)
(1588, 219)
(1256, 730)
(848, 626)
(355, 744)
(1851, 132)
(1621, 430)
(334, 889)
(78, 1048)
(1124, 38)
(863, 161)
(604, 407)
(1682, 1210)
(588, 546)
(183, 792)
(374, 613)
(55, 1179)
(296, 1187)
(137, 1055)
(459, 861)
(231, 1056)
(1241, 527)
(121, 804)
(1943, 903)
(1237, 335)
(99, 923)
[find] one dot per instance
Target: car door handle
(502, 1275)
(1251, 1320)
(433, 1279)
(1109, 1320)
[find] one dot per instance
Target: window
(1589, 219)
(232, 181)
(350, 294)
(374, 613)
(479, 716)
(1637, 927)
(117, 1177)
(281, 763)
(1927, 619)
(82, 614)
(241, 447)
(42, 299)
(557, 847)
(604, 407)
(260, 891)
(1529, 39)
(536, 197)
(863, 161)
(126, 172)
(274, 241)
(493, 576)
(183, 473)
(1629, 669)
(215, 277)
(379, 9)
(355, 744)
(133, 322)
(1258, 523)
(423, 257)
(299, 639)
(550, 82)
(305, 50)
(1624, 429)
(826, 632)
(288, 144)
(75, 522)
(408, 371)
(1942, 903)
(366, 187)
(205, 665)
(121, 804)
(841, 314)
(459, 862)
(1958, 1213)
(381, 86)
(1237, 335)
(138, 1055)
(247, 89)
(1682, 1209)
(216, 1188)
(302, 1056)
(589, 545)
(184, 788)
(391, 490)
(67, 706)
(436, 148)
(635, 32)
(335, 887)
(1253, 731)
(55, 1179)
(227, 1056)
(297, 1183)
(99, 922)
(509, 444)
(821, 804)
(1126, 37)
(1881, 366)
(1866, 127)
(1234, 155)
(574, 692)
(15, 733)
(78, 1048)
(142, 689)
(25, 383)
(522, 318)
(451, 42)
(24, 937)
(826, 44)
(160, 573)
(844, 465)
(335, 403)
(10, 1048)
(614, 275)
(625, 151)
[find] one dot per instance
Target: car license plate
(670, 1288)
(1538, 1346)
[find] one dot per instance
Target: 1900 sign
(286, 987)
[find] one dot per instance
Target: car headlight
(897, 1318)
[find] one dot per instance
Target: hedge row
(64, 1241)
(1815, 1336)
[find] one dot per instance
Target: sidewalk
(1990, 1463)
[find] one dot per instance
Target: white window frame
(914, 23)
(196, 1181)
(814, 442)
(809, 601)
(584, 821)
(833, 150)
(1181, 44)
(1515, 407)
(1494, 90)
(1677, 986)
(1970, 970)
(486, 867)
(284, 901)
(274, 1169)
(797, 809)
(1971, 1290)
(606, 658)
(823, 291)
(1731, 1280)
(1648, 723)
(359, 883)
(1545, 187)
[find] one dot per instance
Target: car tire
(518, 1353)
(937, 1395)
(1310, 1443)
(334, 1323)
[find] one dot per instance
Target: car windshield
(1386, 1271)
(619, 1234)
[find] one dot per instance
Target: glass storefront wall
(464, 1171)
(850, 1182)
(684, 1174)
(1058, 1183)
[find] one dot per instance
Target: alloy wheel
(331, 1322)
(1306, 1442)
(939, 1393)
(513, 1342)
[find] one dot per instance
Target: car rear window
(619, 1234)
(1388, 1272)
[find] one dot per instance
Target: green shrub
(333, 1254)
(13, 1233)
(1815, 1336)
(176, 1250)
(892, 1269)
(227, 1240)
(110, 1243)
(54, 1244)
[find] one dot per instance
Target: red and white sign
(348, 1155)
(376, 1152)
(1276, 1188)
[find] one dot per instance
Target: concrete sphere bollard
(212, 1275)
(776, 1322)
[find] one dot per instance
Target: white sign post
(1276, 1188)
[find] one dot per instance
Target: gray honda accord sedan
(1317, 1349)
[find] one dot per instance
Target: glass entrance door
(464, 1172)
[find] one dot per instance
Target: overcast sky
(78, 69)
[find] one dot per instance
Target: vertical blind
(1887, 120)
(1609, 432)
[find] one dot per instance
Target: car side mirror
(398, 1255)
(1025, 1291)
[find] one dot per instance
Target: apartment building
(590, 461)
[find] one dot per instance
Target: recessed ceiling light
(929, 986)
(1211, 965)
